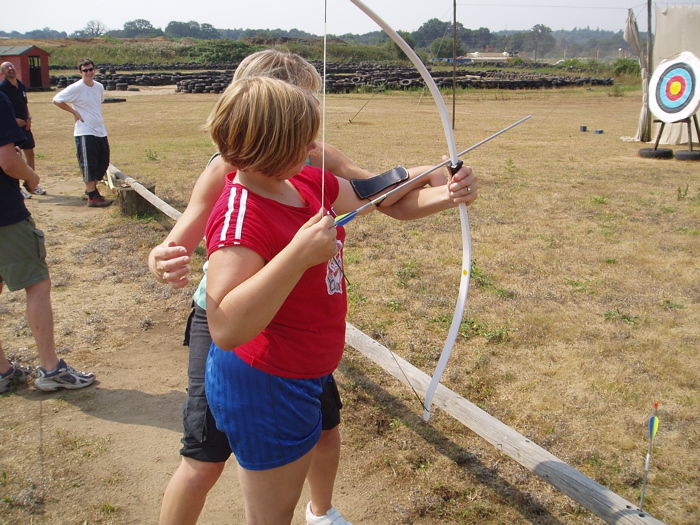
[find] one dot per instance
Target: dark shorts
(93, 156)
(23, 255)
(202, 440)
(29, 139)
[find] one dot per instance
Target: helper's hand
(169, 264)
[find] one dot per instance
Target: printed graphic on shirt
(334, 274)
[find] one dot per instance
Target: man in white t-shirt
(83, 100)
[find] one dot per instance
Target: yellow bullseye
(675, 88)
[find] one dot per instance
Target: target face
(674, 93)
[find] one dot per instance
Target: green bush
(204, 51)
(625, 66)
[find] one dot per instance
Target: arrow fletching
(654, 422)
(345, 218)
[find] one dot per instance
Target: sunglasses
(87, 70)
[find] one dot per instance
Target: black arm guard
(365, 188)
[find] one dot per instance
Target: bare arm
(168, 262)
(67, 107)
(419, 203)
(244, 294)
(14, 165)
(415, 201)
(342, 166)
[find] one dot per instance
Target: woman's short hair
(264, 124)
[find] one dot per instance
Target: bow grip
(455, 168)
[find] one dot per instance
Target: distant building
(31, 64)
(460, 60)
(481, 56)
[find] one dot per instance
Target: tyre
(660, 153)
(685, 154)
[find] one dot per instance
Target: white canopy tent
(677, 30)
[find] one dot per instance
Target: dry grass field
(584, 309)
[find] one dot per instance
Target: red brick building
(31, 64)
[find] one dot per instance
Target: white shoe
(25, 193)
(40, 191)
(332, 517)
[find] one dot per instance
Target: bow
(463, 215)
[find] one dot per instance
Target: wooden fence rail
(588, 493)
(143, 191)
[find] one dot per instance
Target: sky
(341, 16)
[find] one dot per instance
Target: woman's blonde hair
(264, 124)
(284, 66)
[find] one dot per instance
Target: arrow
(345, 218)
(653, 427)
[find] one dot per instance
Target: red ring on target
(675, 87)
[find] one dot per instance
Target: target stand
(674, 98)
(682, 154)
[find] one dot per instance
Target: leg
(205, 449)
(29, 157)
(40, 318)
(324, 467)
(4, 363)
(187, 491)
(84, 149)
(271, 495)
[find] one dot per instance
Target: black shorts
(202, 440)
(93, 156)
(28, 140)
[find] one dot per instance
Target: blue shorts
(270, 421)
(201, 440)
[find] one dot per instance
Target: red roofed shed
(31, 64)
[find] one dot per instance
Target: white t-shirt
(86, 100)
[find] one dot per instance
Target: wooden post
(147, 195)
(131, 203)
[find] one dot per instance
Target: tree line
(434, 37)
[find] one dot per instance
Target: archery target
(673, 89)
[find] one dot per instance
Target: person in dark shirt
(23, 266)
(16, 91)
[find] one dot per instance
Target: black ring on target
(676, 88)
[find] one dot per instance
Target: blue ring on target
(675, 88)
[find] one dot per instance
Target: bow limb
(463, 215)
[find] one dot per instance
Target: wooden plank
(141, 190)
(588, 493)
